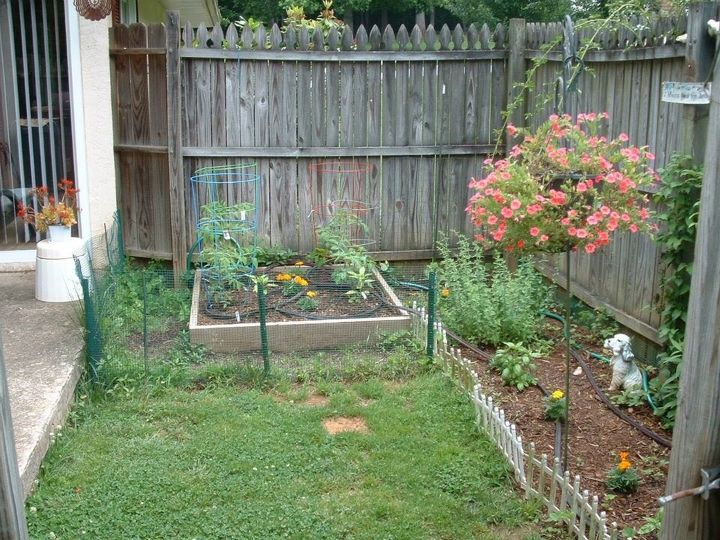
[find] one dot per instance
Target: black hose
(588, 373)
(618, 412)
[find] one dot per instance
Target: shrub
(488, 303)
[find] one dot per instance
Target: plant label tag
(243, 215)
(686, 93)
(226, 235)
(237, 316)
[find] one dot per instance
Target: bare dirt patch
(364, 402)
(342, 424)
(316, 400)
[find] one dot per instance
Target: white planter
(58, 233)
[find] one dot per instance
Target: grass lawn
(233, 462)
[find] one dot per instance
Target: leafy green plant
(630, 397)
(515, 364)
(405, 340)
(555, 406)
(186, 352)
(623, 478)
(308, 302)
(361, 284)
(678, 200)
(487, 303)
(598, 322)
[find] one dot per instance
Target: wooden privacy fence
(537, 476)
(416, 111)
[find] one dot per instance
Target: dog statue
(625, 372)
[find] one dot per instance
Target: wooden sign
(687, 93)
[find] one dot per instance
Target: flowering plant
(622, 478)
(555, 406)
(563, 186)
(52, 212)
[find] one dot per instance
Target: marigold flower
(300, 263)
(623, 455)
(301, 281)
(445, 292)
(624, 465)
(558, 394)
(283, 277)
(311, 294)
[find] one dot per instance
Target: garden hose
(645, 382)
(588, 373)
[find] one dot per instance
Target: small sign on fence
(687, 93)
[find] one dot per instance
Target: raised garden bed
(336, 323)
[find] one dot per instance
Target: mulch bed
(596, 434)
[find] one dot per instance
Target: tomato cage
(225, 206)
(347, 221)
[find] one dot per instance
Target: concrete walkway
(42, 345)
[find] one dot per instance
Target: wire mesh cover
(226, 201)
(94, 10)
(354, 220)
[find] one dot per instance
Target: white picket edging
(536, 477)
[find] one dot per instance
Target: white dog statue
(625, 373)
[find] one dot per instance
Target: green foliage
(489, 303)
(515, 364)
(186, 353)
(598, 322)
(171, 461)
(554, 408)
(274, 255)
(336, 247)
(678, 200)
(623, 481)
(308, 304)
(631, 397)
(404, 340)
(664, 387)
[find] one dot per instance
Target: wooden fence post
(515, 75)
(12, 514)
(696, 439)
(175, 141)
(698, 65)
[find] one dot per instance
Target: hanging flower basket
(564, 186)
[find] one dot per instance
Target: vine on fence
(678, 201)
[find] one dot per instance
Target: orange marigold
(301, 281)
(624, 465)
(283, 277)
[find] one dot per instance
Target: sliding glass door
(36, 146)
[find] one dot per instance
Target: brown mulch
(596, 434)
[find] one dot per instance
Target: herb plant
(487, 303)
(515, 364)
(555, 406)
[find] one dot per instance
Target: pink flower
(625, 217)
(605, 210)
(633, 228)
(590, 248)
(534, 231)
(515, 204)
(649, 155)
(506, 212)
(582, 187)
(644, 214)
(498, 235)
(592, 220)
(623, 137)
(492, 220)
(512, 130)
(581, 233)
(544, 238)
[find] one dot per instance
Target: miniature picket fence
(537, 476)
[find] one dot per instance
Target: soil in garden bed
(596, 434)
(282, 305)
